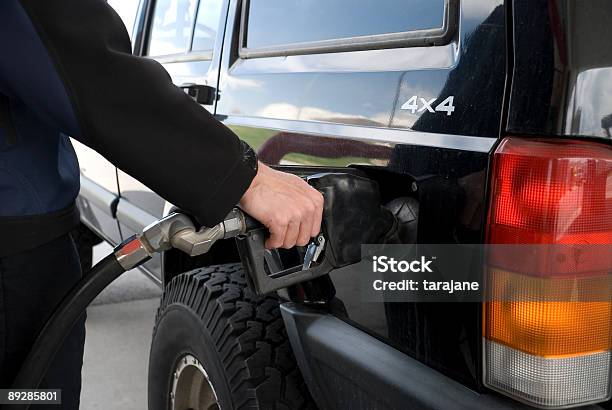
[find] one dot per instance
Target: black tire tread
(249, 336)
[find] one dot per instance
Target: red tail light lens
(551, 191)
(552, 353)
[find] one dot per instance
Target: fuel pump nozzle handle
(178, 231)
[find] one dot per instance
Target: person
(66, 69)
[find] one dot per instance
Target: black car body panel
(346, 109)
(562, 75)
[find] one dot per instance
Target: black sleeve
(129, 111)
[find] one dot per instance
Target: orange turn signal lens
(550, 329)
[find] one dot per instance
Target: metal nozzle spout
(178, 231)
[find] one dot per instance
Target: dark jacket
(66, 69)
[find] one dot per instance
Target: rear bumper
(345, 367)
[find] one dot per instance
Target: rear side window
(207, 23)
(172, 27)
(275, 23)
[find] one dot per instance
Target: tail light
(552, 348)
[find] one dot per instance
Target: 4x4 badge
(413, 106)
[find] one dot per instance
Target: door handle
(202, 94)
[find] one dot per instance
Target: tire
(84, 240)
(209, 317)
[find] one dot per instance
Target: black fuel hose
(131, 253)
(61, 322)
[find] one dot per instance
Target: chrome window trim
(184, 57)
(374, 134)
(415, 38)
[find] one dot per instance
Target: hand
(289, 207)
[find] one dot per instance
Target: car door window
(172, 27)
(284, 22)
(207, 23)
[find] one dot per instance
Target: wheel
(84, 240)
(218, 345)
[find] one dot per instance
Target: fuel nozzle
(179, 232)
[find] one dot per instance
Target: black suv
(480, 121)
